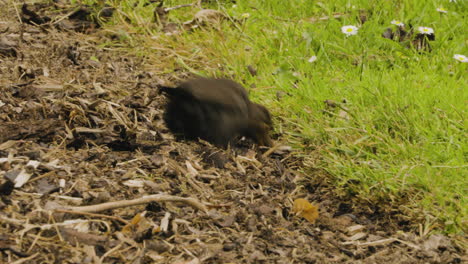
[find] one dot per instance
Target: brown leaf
(133, 223)
(44, 187)
(252, 70)
(75, 237)
(305, 209)
(209, 16)
(228, 221)
(8, 48)
(435, 242)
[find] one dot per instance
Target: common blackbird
(216, 110)
(418, 41)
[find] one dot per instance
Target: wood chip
(355, 229)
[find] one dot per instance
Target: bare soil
(84, 124)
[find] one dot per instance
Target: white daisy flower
(442, 10)
(461, 58)
(426, 30)
(312, 59)
(245, 15)
(349, 30)
(397, 23)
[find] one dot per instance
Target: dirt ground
(81, 125)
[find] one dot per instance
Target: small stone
(229, 246)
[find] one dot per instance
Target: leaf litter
(90, 174)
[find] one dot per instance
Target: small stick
(382, 242)
(112, 250)
(17, 12)
(372, 243)
(92, 214)
(271, 150)
(315, 19)
(25, 260)
(176, 7)
(42, 176)
(143, 200)
(11, 221)
(226, 205)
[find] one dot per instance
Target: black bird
(418, 41)
(216, 110)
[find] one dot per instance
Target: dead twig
(177, 7)
(92, 215)
(382, 242)
(112, 250)
(143, 200)
(47, 174)
(25, 260)
(11, 221)
(271, 150)
(324, 18)
(372, 243)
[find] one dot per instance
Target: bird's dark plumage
(418, 41)
(215, 110)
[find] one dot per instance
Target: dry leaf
(209, 16)
(165, 222)
(436, 241)
(134, 223)
(21, 178)
(357, 236)
(355, 229)
(135, 183)
(305, 209)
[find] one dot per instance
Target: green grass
(401, 133)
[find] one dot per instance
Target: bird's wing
(216, 92)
